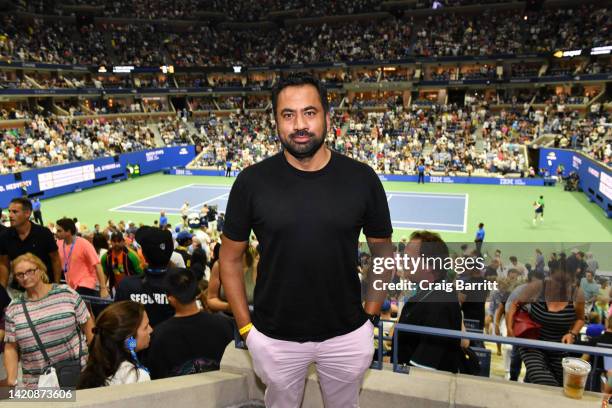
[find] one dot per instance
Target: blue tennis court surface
(432, 211)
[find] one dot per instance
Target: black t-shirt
(189, 345)
(437, 309)
(490, 272)
(308, 226)
(150, 290)
(474, 304)
(5, 300)
(182, 251)
(40, 242)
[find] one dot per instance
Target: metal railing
(514, 341)
(94, 300)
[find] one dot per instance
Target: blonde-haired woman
(58, 315)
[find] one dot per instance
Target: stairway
(344, 129)
(159, 142)
(192, 131)
(479, 139)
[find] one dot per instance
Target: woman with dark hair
(122, 329)
(559, 309)
(199, 263)
(100, 244)
(215, 255)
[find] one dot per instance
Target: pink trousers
(341, 363)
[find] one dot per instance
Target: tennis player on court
(539, 210)
(307, 206)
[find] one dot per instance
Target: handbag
(67, 372)
(524, 327)
(469, 362)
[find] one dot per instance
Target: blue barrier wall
(595, 178)
(467, 180)
(393, 177)
(151, 161)
(67, 178)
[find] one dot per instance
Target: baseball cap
(385, 306)
(157, 245)
(183, 236)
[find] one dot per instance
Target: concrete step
(159, 142)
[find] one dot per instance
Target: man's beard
(304, 150)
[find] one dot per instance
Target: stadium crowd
(443, 137)
(203, 45)
(132, 303)
(110, 261)
(49, 141)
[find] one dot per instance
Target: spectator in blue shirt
(163, 220)
(421, 171)
(480, 235)
(228, 168)
(36, 210)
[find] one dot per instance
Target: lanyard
(67, 259)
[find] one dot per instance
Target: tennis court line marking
(427, 223)
(433, 194)
(209, 187)
(465, 212)
(149, 197)
(146, 207)
(442, 196)
(194, 207)
(398, 193)
(414, 227)
(389, 197)
(141, 212)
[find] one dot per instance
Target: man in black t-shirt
(25, 236)
(432, 308)
(192, 341)
(304, 200)
(473, 300)
(150, 289)
(2, 226)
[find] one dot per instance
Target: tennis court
(432, 211)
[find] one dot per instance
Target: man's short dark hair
(299, 79)
(26, 204)
(539, 275)
(182, 284)
(432, 247)
(67, 225)
(480, 225)
(117, 237)
(513, 259)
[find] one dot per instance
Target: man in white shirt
(185, 213)
(515, 264)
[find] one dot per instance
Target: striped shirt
(555, 325)
(54, 319)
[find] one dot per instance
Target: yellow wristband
(245, 329)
